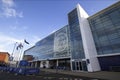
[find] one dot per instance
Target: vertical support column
(87, 39)
(39, 64)
(31, 64)
(57, 63)
(36, 64)
(71, 64)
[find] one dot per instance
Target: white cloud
(18, 28)
(8, 3)
(8, 8)
(7, 43)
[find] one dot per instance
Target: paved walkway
(43, 76)
(100, 74)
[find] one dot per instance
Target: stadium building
(87, 43)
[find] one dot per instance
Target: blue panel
(23, 63)
(107, 62)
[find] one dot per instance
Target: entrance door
(79, 65)
(84, 66)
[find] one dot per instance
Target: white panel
(88, 42)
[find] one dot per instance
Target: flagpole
(23, 47)
(20, 53)
(11, 56)
(18, 57)
(14, 48)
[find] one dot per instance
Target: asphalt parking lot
(42, 76)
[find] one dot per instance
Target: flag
(19, 46)
(26, 42)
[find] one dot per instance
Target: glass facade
(76, 45)
(43, 49)
(61, 43)
(53, 46)
(106, 31)
(64, 48)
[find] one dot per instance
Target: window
(77, 51)
(116, 48)
(107, 49)
(115, 16)
(113, 36)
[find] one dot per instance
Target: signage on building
(61, 43)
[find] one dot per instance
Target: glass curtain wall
(43, 49)
(61, 43)
(53, 46)
(76, 45)
(106, 31)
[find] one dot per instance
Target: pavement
(100, 74)
(43, 76)
(52, 74)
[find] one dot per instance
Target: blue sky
(35, 19)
